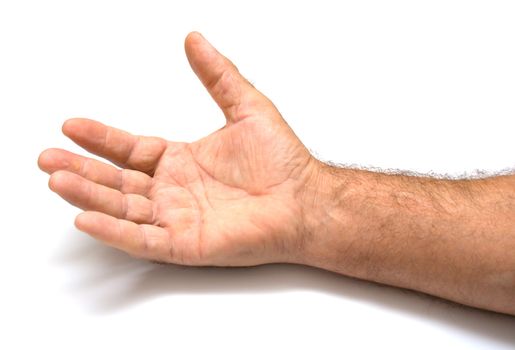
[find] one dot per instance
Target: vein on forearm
(450, 237)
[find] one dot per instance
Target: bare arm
(250, 193)
(450, 238)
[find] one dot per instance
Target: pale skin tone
(251, 193)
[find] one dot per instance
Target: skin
(251, 193)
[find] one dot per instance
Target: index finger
(120, 147)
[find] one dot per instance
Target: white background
(424, 86)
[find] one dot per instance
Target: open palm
(231, 198)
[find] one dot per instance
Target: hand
(231, 198)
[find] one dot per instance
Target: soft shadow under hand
(106, 280)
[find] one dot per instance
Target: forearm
(450, 238)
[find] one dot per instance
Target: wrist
(347, 211)
(328, 223)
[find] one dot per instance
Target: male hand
(231, 198)
(251, 193)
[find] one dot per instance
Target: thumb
(231, 91)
